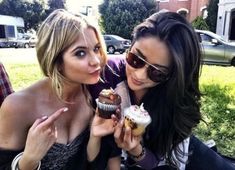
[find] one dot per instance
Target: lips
(136, 82)
(95, 72)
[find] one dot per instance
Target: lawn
(216, 83)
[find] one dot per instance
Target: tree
(55, 4)
(120, 16)
(211, 19)
(33, 12)
(200, 23)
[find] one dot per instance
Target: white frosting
(138, 114)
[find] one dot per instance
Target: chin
(132, 86)
(92, 81)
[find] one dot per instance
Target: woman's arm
(99, 128)
(14, 133)
(114, 163)
(137, 153)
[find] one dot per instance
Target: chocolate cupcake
(137, 118)
(107, 103)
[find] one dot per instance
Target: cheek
(129, 70)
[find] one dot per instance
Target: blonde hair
(59, 31)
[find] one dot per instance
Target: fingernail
(44, 117)
(65, 109)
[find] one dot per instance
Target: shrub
(200, 23)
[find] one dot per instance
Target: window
(10, 31)
(107, 38)
(205, 38)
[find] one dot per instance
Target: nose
(94, 60)
(141, 73)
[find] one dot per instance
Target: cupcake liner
(105, 106)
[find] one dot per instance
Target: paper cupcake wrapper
(105, 106)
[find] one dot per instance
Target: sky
(74, 5)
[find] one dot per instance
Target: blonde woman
(46, 125)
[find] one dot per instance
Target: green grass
(218, 107)
(23, 75)
(216, 83)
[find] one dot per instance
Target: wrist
(137, 153)
(27, 163)
(20, 162)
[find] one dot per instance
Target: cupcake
(107, 103)
(137, 118)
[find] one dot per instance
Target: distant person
(5, 84)
(46, 126)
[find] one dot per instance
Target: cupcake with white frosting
(137, 118)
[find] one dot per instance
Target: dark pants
(201, 158)
(204, 158)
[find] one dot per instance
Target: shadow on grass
(218, 110)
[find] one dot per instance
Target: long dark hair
(174, 105)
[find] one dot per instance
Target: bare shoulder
(17, 104)
(15, 119)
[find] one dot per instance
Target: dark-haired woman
(161, 70)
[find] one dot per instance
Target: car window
(107, 38)
(205, 38)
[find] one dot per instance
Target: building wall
(225, 19)
(194, 7)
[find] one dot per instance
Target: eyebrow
(79, 47)
(84, 47)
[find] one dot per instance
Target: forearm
(114, 163)
(93, 147)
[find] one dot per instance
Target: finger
(114, 118)
(97, 111)
(51, 119)
(118, 113)
(38, 121)
(118, 130)
(56, 133)
(127, 135)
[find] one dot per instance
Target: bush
(200, 24)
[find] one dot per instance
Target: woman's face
(81, 61)
(154, 52)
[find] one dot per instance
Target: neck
(139, 94)
(71, 92)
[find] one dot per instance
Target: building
(189, 8)
(226, 20)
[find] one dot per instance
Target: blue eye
(80, 53)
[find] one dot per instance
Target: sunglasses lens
(134, 60)
(156, 75)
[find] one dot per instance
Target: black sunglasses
(153, 71)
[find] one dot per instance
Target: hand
(125, 139)
(41, 136)
(101, 127)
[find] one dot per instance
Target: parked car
(116, 43)
(215, 50)
(3, 45)
(26, 42)
(32, 41)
